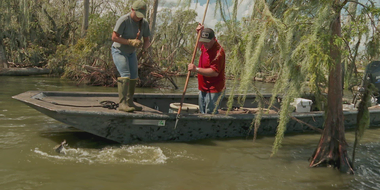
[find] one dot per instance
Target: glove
(135, 43)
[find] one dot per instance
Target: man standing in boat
(211, 71)
(127, 34)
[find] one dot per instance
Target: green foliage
(294, 40)
(279, 38)
(372, 47)
(174, 39)
(70, 59)
(100, 29)
(364, 120)
(252, 55)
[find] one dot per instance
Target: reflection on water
(28, 160)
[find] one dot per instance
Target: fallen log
(23, 71)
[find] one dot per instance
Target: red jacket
(212, 58)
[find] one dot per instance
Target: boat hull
(152, 125)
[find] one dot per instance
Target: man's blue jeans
(208, 101)
(126, 63)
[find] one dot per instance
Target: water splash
(137, 154)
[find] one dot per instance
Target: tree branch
(366, 7)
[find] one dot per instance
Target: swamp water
(28, 161)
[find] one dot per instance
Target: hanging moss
(293, 37)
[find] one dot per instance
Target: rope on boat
(109, 104)
(104, 104)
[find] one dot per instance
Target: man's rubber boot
(122, 88)
(131, 92)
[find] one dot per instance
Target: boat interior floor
(96, 103)
(93, 103)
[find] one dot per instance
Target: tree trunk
(3, 58)
(153, 18)
(332, 147)
(86, 7)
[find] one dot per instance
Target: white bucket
(186, 108)
(302, 105)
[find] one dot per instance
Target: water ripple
(17, 118)
(368, 170)
(10, 139)
(19, 180)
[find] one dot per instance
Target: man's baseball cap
(140, 8)
(207, 35)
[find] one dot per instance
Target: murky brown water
(28, 160)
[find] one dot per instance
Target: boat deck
(92, 102)
(86, 103)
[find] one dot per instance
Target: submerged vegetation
(305, 46)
